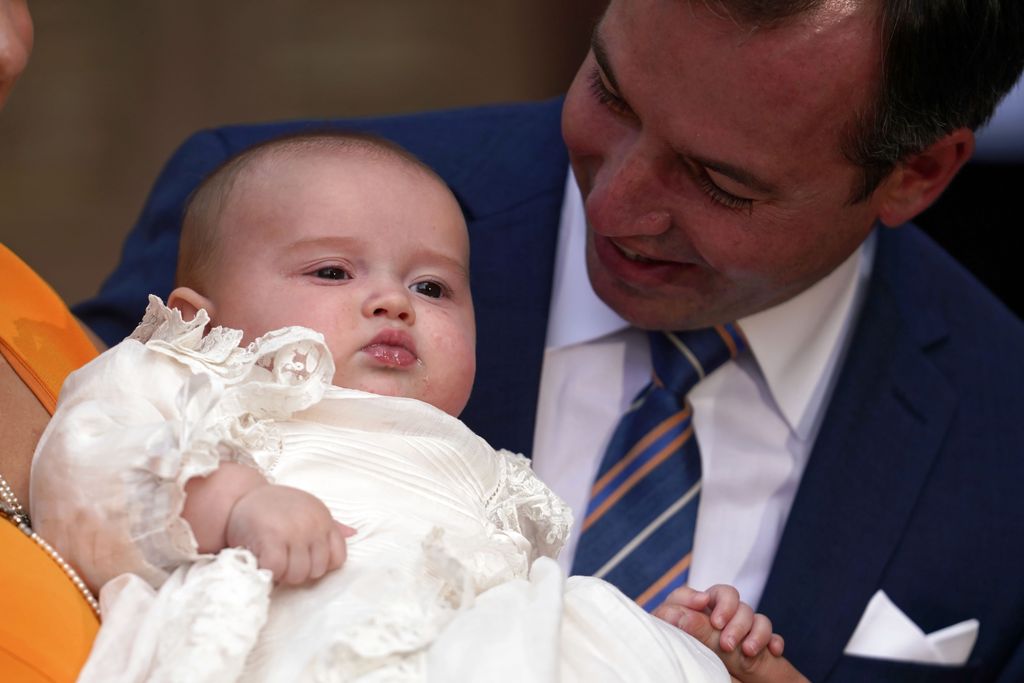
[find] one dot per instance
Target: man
(735, 161)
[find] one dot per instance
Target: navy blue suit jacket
(914, 482)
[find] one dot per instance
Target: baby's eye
(331, 273)
(429, 288)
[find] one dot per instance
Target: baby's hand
(736, 620)
(290, 532)
(764, 667)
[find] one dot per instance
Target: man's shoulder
(931, 287)
(963, 329)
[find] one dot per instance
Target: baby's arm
(290, 532)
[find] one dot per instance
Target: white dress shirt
(755, 418)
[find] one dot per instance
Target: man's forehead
(834, 45)
(758, 15)
(771, 101)
(745, 19)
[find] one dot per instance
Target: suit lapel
(509, 173)
(512, 266)
(873, 454)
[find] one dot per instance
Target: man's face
(709, 157)
(371, 253)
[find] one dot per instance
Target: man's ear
(917, 181)
(189, 301)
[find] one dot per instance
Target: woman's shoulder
(39, 338)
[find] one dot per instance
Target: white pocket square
(885, 632)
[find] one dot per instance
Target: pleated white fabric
(450, 577)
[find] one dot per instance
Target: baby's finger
(776, 644)
(724, 601)
(759, 636)
(274, 558)
(298, 565)
(688, 597)
(668, 613)
(319, 557)
(697, 625)
(346, 530)
(738, 627)
(338, 548)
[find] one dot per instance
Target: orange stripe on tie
(727, 338)
(639, 448)
(634, 478)
(669, 576)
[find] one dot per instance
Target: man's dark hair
(945, 65)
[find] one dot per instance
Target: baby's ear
(189, 301)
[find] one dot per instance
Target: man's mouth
(638, 269)
(634, 256)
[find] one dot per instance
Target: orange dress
(46, 627)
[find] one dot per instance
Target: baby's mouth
(392, 348)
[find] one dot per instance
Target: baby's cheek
(451, 378)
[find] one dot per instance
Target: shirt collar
(800, 343)
(797, 344)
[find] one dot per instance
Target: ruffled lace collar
(289, 356)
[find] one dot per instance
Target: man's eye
(720, 196)
(429, 288)
(605, 96)
(331, 273)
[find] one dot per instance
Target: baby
(197, 472)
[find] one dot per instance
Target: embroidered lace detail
(524, 504)
(392, 644)
(218, 611)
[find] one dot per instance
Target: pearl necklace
(11, 509)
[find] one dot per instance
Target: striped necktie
(639, 526)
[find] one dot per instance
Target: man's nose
(626, 198)
(393, 302)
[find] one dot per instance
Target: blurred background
(114, 86)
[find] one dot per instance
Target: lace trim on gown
(524, 504)
(226, 408)
(124, 443)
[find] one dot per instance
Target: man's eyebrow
(601, 57)
(741, 176)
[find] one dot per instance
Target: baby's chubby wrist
(210, 501)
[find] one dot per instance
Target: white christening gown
(450, 577)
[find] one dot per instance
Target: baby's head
(350, 236)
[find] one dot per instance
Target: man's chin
(661, 304)
(654, 312)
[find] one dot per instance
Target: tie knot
(681, 359)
